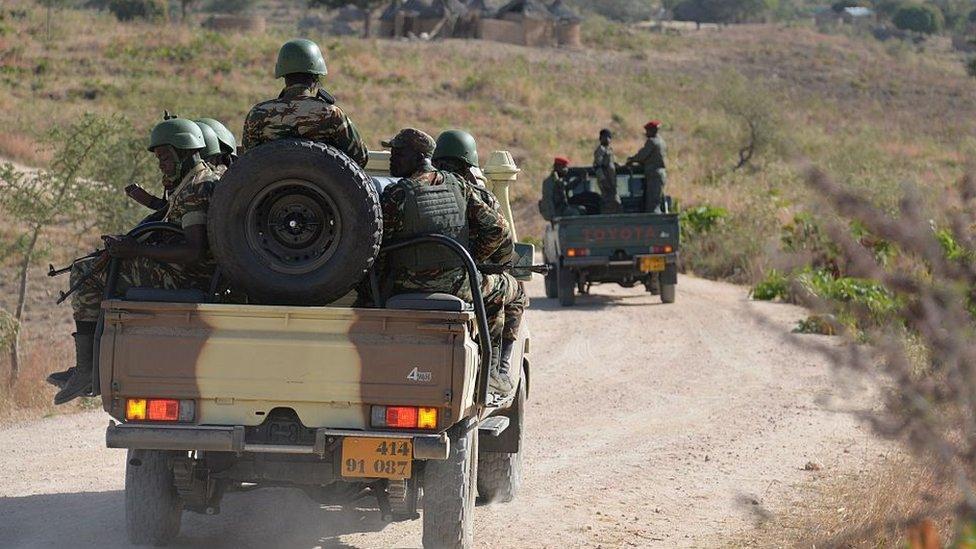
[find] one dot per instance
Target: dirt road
(648, 426)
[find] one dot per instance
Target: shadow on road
(595, 302)
(264, 518)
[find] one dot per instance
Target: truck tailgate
(606, 235)
(328, 364)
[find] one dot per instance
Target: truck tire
(668, 293)
(449, 493)
(152, 507)
(500, 473)
(552, 285)
(295, 222)
(567, 287)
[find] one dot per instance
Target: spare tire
(295, 222)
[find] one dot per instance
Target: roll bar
(481, 316)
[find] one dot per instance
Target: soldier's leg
(504, 302)
(609, 201)
(86, 303)
(654, 192)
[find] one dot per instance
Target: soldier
(651, 158)
(211, 151)
(227, 142)
(554, 201)
(505, 300)
(605, 165)
(303, 110)
(425, 201)
(177, 144)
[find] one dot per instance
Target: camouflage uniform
(651, 157)
(604, 163)
(304, 112)
(188, 204)
(489, 241)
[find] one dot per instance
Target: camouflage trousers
(505, 302)
(137, 272)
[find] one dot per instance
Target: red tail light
(159, 409)
(404, 417)
(163, 409)
(666, 249)
(577, 252)
(401, 417)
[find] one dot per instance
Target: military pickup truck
(213, 393)
(627, 248)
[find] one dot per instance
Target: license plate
(377, 457)
(651, 264)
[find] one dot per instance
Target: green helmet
(178, 132)
(457, 144)
(210, 139)
(300, 55)
(224, 136)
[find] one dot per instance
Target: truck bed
(328, 364)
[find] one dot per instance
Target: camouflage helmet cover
(179, 133)
(457, 144)
(411, 138)
(227, 140)
(300, 55)
(212, 147)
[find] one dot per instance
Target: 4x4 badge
(417, 375)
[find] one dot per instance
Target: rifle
(499, 268)
(51, 271)
(101, 261)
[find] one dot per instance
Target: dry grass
(881, 507)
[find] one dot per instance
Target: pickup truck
(211, 394)
(627, 248)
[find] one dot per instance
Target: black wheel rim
(293, 226)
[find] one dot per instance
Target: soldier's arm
(643, 155)
(489, 229)
(346, 137)
(196, 202)
(392, 204)
(249, 137)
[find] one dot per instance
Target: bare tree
(755, 115)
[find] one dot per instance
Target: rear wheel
(668, 293)
(500, 473)
(567, 287)
(449, 492)
(552, 284)
(152, 507)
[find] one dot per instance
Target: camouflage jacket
(304, 112)
(188, 205)
(488, 235)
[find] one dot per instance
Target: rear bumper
(603, 261)
(231, 439)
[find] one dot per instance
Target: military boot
(502, 383)
(80, 382)
(60, 379)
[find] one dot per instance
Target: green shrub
(702, 219)
(923, 18)
(853, 295)
(127, 10)
(775, 286)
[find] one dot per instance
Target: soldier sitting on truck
(651, 158)
(555, 202)
(227, 144)
(177, 144)
(303, 110)
(505, 301)
(430, 201)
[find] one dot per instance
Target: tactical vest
(432, 209)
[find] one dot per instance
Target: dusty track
(648, 425)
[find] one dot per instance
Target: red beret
(561, 161)
(653, 124)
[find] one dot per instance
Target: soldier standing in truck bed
(555, 202)
(652, 158)
(303, 110)
(605, 165)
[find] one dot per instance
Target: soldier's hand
(124, 247)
